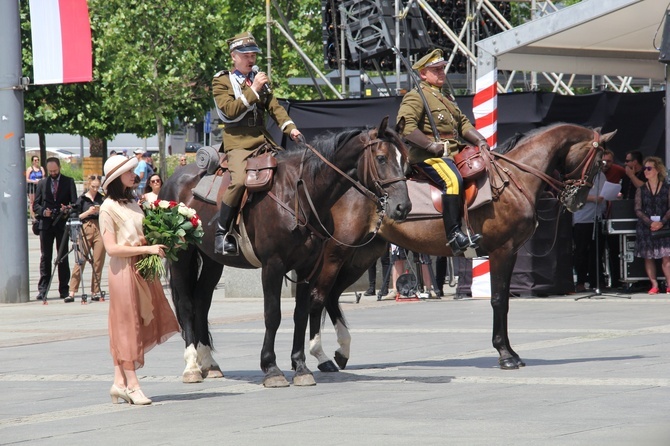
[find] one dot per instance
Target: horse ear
(400, 126)
(383, 125)
(597, 129)
(607, 136)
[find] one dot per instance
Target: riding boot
(451, 216)
(222, 244)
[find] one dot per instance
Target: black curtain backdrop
(638, 117)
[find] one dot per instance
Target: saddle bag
(470, 163)
(260, 171)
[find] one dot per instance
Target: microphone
(266, 88)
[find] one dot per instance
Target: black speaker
(367, 33)
(664, 55)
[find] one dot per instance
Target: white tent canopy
(597, 37)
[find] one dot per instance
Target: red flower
(194, 221)
(173, 204)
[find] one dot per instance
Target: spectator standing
(585, 255)
(372, 275)
(89, 205)
(634, 175)
(652, 207)
(141, 170)
(53, 197)
(139, 315)
(146, 156)
(182, 160)
(33, 176)
(614, 173)
(152, 188)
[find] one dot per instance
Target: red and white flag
(61, 33)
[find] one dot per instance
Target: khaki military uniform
(243, 115)
(451, 123)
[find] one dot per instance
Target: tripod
(81, 249)
(596, 237)
(410, 283)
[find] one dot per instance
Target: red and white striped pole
(485, 106)
(485, 109)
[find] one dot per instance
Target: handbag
(260, 171)
(36, 227)
(470, 163)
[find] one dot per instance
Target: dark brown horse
(505, 224)
(281, 241)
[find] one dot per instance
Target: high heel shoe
(137, 397)
(653, 290)
(117, 392)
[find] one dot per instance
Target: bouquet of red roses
(169, 223)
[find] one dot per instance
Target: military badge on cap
(244, 43)
(432, 59)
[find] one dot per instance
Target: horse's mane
(520, 138)
(326, 144)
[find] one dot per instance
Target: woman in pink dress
(140, 316)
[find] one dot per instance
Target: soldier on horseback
(242, 96)
(434, 156)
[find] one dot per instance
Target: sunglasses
(156, 181)
(648, 168)
(627, 161)
(95, 177)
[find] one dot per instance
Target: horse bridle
(571, 185)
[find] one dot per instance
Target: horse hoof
(341, 360)
(304, 380)
(328, 366)
(191, 377)
(214, 372)
(520, 362)
(508, 364)
(275, 382)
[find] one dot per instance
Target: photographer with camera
(89, 241)
(53, 198)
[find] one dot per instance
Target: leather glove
(436, 148)
(483, 145)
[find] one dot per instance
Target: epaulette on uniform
(221, 73)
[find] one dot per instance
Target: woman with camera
(652, 207)
(88, 206)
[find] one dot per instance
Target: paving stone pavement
(420, 373)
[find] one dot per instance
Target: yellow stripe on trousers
(448, 176)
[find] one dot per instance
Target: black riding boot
(451, 216)
(222, 244)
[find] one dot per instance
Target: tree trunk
(162, 160)
(96, 146)
(43, 148)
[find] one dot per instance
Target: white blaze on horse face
(316, 349)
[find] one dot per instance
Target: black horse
(281, 240)
(518, 176)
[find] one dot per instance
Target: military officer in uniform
(242, 97)
(435, 158)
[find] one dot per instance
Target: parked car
(192, 147)
(62, 154)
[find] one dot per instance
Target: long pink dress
(140, 316)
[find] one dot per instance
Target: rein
(566, 187)
(369, 168)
